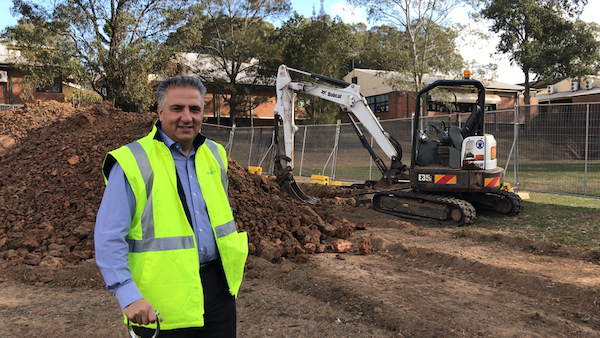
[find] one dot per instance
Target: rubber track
(468, 210)
(516, 201)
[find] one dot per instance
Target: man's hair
(181, 81)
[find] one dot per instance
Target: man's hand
(141, 312)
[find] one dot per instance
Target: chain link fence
(546, 148)
(7, 107)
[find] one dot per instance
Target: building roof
(208, 68)
(544, 84)
(561, 95)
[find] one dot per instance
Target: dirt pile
(51, 186)
(279, 225)
(15, 124)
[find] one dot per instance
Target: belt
(207, 265)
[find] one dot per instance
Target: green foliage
(42, 59)
(83, 98)
(318, 45)
(231, 36)
(381, 47)
(572, 49)
(543, 38)
(428, 45)
(110, 47)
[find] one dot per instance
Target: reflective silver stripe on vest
(229, 227)
(161, 244)
(215, 150)
(149, 241)
(225, 229)
(148, 175)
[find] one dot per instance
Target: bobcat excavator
(448, 178)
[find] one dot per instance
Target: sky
(483, 53)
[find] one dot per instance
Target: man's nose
(187, 115)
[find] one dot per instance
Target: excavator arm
(348, 97)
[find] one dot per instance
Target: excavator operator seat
(456, 136)
(445, 151)
(473, 124)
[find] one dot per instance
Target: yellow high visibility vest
(163, 257)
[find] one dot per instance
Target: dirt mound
(51, 187)
(279, 225)
(14, 124)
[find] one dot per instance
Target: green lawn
(554, 218)
(561, 177)
(566, 220)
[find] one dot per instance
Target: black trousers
(219, 309)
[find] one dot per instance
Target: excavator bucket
(283, 162)
(288, 184)
(294, 190)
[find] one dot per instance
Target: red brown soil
(397, 278)
(52, 186)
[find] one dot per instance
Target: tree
(430, 41)
(112, 46)
(571, 50)
(381, 47)
(317, 45)
(543, 38)
(232, 39)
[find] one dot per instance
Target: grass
(566, 220)
(563, 177)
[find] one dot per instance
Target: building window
(379, 103)
(355, 80)
(490, 107)
(452, 107)
(55, 87)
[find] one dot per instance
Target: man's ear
(160, 113)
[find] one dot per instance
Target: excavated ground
(328, 270)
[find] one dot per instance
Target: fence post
(516, 152)
(251, 142)
(371, 162)
(587, 147)
(336, 148)
(332, 155)
(230, 143)
(303, 146)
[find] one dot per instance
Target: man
(165, 236)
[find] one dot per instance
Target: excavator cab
(446, 150)
(461, 160)
(454, 173)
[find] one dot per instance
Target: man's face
(181, 116)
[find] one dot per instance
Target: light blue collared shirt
(114, 220)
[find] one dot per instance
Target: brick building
(389, 103)
(11, 78)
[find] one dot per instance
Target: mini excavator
(448, 178)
